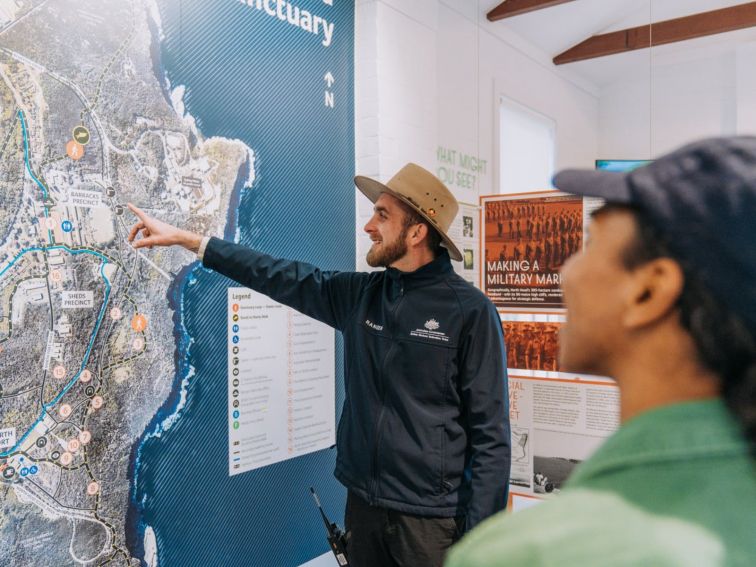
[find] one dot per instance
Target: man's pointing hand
(154, 232)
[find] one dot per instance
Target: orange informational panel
(526, 240)
(556, 424)
(558, 419)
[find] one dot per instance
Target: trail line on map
(47, 406)
(80, 95)
(22, 118)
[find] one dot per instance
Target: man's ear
(653, 292)
(418, 233)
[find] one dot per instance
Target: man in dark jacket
(423, 441)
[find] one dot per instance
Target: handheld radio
(336, 537)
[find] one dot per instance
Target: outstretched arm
(327, 296)
(324, 295)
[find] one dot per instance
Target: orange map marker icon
(139, 322)
(74, 150)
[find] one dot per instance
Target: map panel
(94, 352)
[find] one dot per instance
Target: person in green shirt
(663, 298)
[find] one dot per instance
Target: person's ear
(418, 233)
(653, 292)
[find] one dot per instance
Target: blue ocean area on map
(249, 77)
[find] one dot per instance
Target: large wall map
(99, 377)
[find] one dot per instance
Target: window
(526, 148)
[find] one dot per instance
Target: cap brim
(609, 185)
(373, 189)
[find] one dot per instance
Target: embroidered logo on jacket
(431, 325)
(431, 331)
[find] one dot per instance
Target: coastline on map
(150, 548)
(141, 538)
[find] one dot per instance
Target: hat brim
(609, 185)
(373, 189)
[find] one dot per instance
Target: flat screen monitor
(620, 164)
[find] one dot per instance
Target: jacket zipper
(373, 493)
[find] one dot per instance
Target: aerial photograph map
(114, 388)
(88, 123)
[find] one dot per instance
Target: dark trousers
(377, 537)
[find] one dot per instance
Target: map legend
(281, 382)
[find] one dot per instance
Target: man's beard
(388, 253)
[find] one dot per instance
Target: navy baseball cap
(701, 199)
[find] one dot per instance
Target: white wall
(745, 90)
(430, 74)
(674, 100)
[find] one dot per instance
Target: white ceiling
(554, 30)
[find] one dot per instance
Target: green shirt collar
(683, 431)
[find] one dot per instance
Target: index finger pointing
(137, 211)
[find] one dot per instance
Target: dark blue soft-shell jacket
(425, 424)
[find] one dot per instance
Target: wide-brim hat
(422, 191)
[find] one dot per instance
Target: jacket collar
(684, 431)
(427, 274)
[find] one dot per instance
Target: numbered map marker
(59, 372)
(66, 459)
(138, 344)
(74, 150)
(97, 402)
(86, 376)
(93, 488)
(139, 322)
(65, 410)
(85, 437)
(115, 314)
(56, 275)
(73, 446)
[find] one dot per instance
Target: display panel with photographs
(465, 233)
(527, 239)
(556, 424)
(558, 419)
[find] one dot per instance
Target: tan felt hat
(421, 190)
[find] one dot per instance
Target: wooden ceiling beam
(661, 33)
(510, 8)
